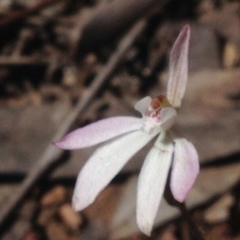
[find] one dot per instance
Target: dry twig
(52, 154)
(21, 14)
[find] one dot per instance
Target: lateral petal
(178, 68)
(151, 183)
(99, 132)
(168, 116)
(143, 105)
(104, 164)
(185, 168)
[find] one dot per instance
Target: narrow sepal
(178, 68)
(151, 183)
(104, 164)
(99, 132)
(185, 168)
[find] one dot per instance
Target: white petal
(168, 116)
(151, 184)
(184, 170)
(99, 132)
(178, 68)
(143, 105)
(104, 164)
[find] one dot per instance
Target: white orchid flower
(128, 135)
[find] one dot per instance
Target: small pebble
(72, 219)
(56, 196)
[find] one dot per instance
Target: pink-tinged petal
(143, 105)
(168, 116)
(99, 132)
(184, 170)
(151, 183)
(178, 68)
(104, 164)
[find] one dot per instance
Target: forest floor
(64, 64)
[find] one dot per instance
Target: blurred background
(67, 63)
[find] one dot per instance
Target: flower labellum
(158, 116)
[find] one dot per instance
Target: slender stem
(195, 233)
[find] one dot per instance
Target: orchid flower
(125, 136)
